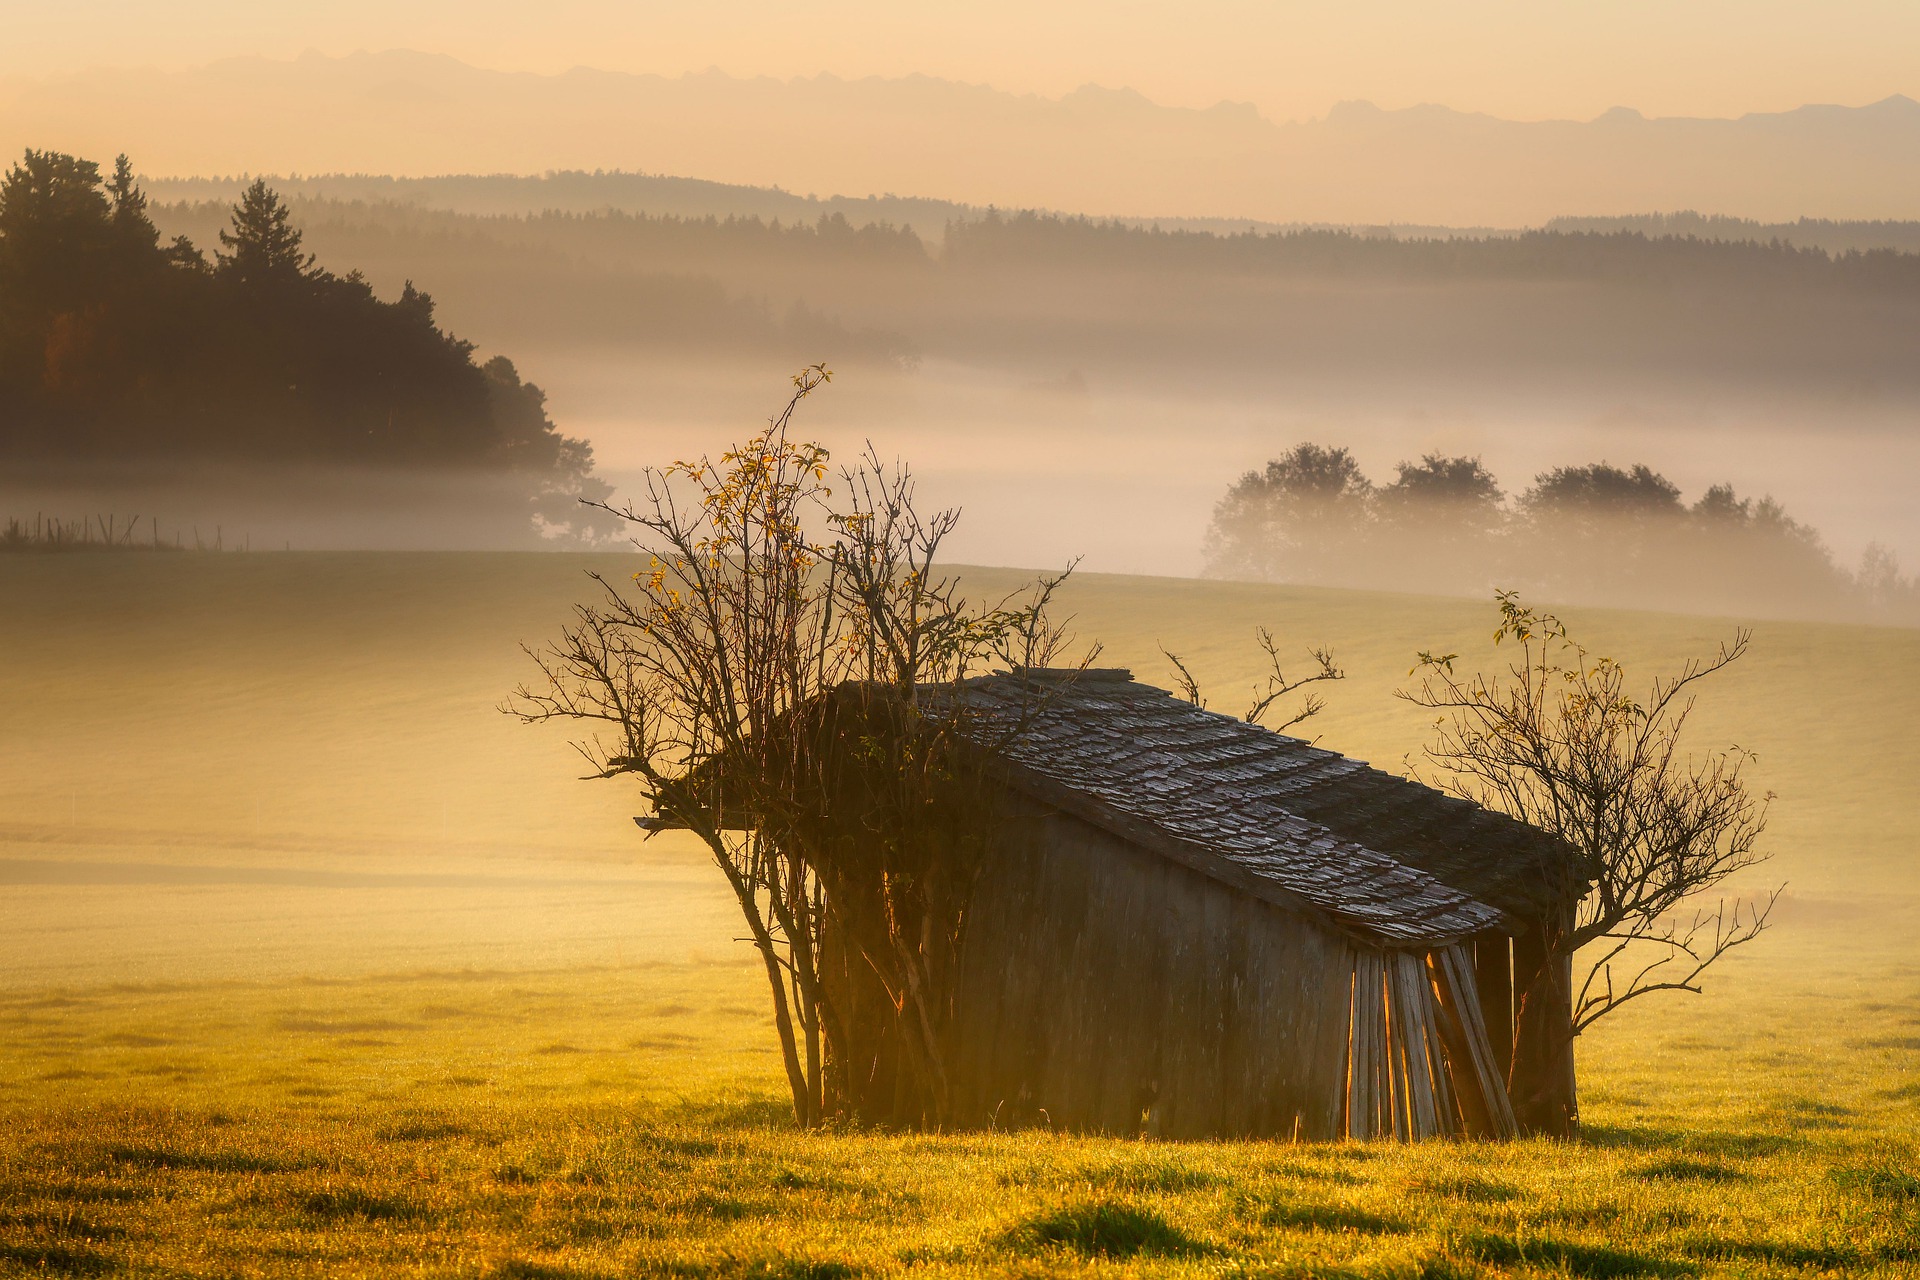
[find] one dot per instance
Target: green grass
(605, 1121)
(186, 1131)
(428, 1008)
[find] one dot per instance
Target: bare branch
(1189, 687)
(1558, 742)
(768, 654)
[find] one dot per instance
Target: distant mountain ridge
(1097, 150)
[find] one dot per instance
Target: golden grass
(312, 964)
(629, 1121)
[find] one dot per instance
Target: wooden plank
(1384, 1096)
(1349, 1083)
(1368, 1025)
(1146, 1024)
(1297, 998)
(1068, 1020)
(1398, 1087)
(1409, 1002)
(1461, 980)
(1327, 998)
(1035, 932)
(1493, 981)
(990, 972)
(1116, 903)
(1465, 1074)
(1382, 1061)
(1239, 1009)
(1542, 1083)
(1203, 1114)
(1379, 1082)
(1260, 1027)
(1042, 930)
(1452, 1123)
(1125, 1029)
(1179, 1056)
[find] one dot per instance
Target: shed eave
(1199, 857)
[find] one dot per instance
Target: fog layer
(1086, 390)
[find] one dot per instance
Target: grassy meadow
(312, 963)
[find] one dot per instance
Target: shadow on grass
(1723, 1143)
(342, 1027)
(1328, 1217)
(74, 1192)
(1154, 1174)
(675, 1144)
(1105, 1230)
(1160, 1174)
(1467, 1188)
(706, 1206)
(1304, 1172)
(59, 1222)
(200, 1161)
(1684, 1169)
(792, 1179)
(522, 1269)
(1887, 1180)
(515, 1174)
(1821, 1257)
(751, 1113)
(765, 1268)
(55, 1259)
(1595, 1262)
(1908, 1043)
(1811, 1113)
(421, 1131)
(350, 1203)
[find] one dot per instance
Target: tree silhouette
(264, 246)
(114, 347)
(1603, 489)
(1294, 518)
(1437, 481)
(1556, 740)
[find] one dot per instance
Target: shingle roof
(1381, 857)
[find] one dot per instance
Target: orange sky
(1519, 59)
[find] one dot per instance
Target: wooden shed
(1191, 926)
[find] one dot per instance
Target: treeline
(118, 345)
(604, 233)
(1593, 532)
(1038, 295)
(685, 284)
(1834, 235)
(579, 191)
(1029, 239)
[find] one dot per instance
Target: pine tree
(264, 246)
(138, 236)
(129, 201)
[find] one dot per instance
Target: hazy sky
(1520, 59)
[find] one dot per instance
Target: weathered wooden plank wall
(1107, 988)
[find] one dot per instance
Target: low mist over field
(704, 642)
(1092, 389)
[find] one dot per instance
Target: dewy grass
(618, 1162)
(319, 1037)
(1105, 1229)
